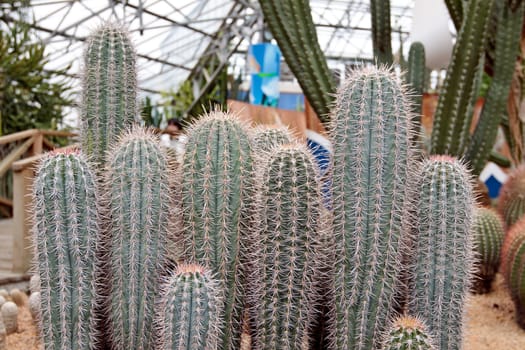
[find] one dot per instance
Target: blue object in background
(494, 178)
(321, 149)
(264, 62)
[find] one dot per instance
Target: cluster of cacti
(373, 162)
(292, 27)
(190, 310)
(511, 202)
(408, 333)
(488, 234)
(291, 219)
(442, 249)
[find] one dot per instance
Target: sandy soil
(491, 324)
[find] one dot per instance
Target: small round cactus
(511, 203)
(10, 315)
(34, 283)
(18, 297)
(408, 333)
(34, 305)
(4, 293)
(488, 238)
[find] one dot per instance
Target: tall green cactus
(138, 204)
(66, 238)
(218, 190)
(109, 90)
(373, 160)
(415, 78)
(442, 252)
(507, 40)
(381, 31)
(488, 234)
(511, 203)
(190, 310)
(292, 26)
(456, 10)
(408, 333)
(451, 128)
(291, 229)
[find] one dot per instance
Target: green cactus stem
(507, 41)
(66, 238)
(456, 9)
(373, 161)
(288, 267)
(218, 192)
(381, 31)
(109, 90)
(415, 78)
(408, 333)
(138, 203)
(488, 238)
(511, 203)
(442, 252)
(190, 310)
(450, 132)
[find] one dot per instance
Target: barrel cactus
(138, 204)
(511, 203)
(66, 236)
(190, 310)
(291, 220)
(488, 234)
(408, 333)
(265, 138)
(442, 250)
(373, 162)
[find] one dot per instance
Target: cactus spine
(511, 202)
(442, 249)
(190, 310)
(507, 40)
(450, 132)
(291, 226)
(138, 204)
(408, 333)
(381, 31)
(372, 163)
(65, 234)
(292, 26)
(488, 238)
(109, 90)
(217, 196)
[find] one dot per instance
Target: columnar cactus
(488, 234)
(291, 219)
(265, 138)
(373, 161)
(381, 31)
(109, 90)
(66, 237)
(415, 78)
(190, 310)
(138, 203)
(511, 202)
(450, 131)
(408, 333)
(456, 10)
(9, 313)
(218, 192)
(442, 249)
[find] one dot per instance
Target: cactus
(138, 205)
(450, 132)
(455, 9)
(190, 310)
(415, 78)
(34, 283)
(513, 268)
(292, 26)
(381, 31)
(265, 138)
(65, 235)
(488, 234)
(2, 300)
(442, 249)
(109, 90)
(511, 203)
(10, 316)
(408, 333)
(373, 161)
(18, 297)
(34, 305)
(291, 226)
(217, 203)
(507, 39)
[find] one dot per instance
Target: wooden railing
(19, 164)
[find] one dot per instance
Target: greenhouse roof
(175, 39)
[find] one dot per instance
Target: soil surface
(491, 324)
